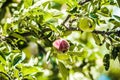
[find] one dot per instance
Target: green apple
(86, 24)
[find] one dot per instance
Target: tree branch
(97, 31)
(107, 33)
(67, 18)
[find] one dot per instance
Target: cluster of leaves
(29, 27)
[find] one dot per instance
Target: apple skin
(86, 24)
(61, 45)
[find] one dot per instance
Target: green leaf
(77, 53)
(16, 59)
(4, 76)
(114, 52)
(119, 57)
(5, 27)
(1, 67)
(52, 27)
(93, 15)
(97, 39)
(60, 1)
(118, 1)
(116, 23)
(63, 70)
(17, 36)
(27, 3)
(106, 61)
(107, 45)
(92, 57)
(73, 10)
(117, 17)
(62, 56)
(16, 51)
(105, 10)
(2, 58)
(66, 33)
(55, 5)
(28, 70)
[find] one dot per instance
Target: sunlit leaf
(106, 61)
(29, 70)
(4, 76)
(97, 39)
(62, 56)
(118, 1)
(27, 3)
(2, 56)
(5, 27)
(17, 36)
(117, 17)
(63, 70)
(16, 59)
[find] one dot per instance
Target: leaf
(5, 27)
(97, 39)
(63, 70)
(59, 1)
(66, 33)
(103, 14)
(62, 56)
(55, 5)
(2, 55)
(4, 76)
(116, 23)
(16, 59)
(16, 51)
(17, 36)
(77, 53)
(105, 10)
(93, 15)
(114, 52)
(118, 1)
(119, 57)
(28, 70)
(1, 67)
(92, 57)
(117, 17)
(52, 27)
(106, 61)
(73, 10)
(27, 3)
(107, 45)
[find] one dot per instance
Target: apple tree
(59, 39)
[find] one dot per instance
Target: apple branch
(97, 31)
(67, 18)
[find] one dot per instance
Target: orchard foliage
(58, 39)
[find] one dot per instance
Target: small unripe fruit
(86, 24)
(61, 45)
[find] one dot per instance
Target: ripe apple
(61, 45)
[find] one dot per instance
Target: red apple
(61, 45)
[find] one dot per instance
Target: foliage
(28, 29)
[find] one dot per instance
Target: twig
(97, 31)
(104, 32)
(67, 18)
